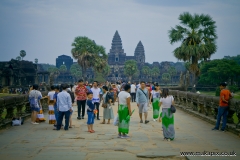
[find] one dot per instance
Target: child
(90, 108)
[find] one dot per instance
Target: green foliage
(155, 72)
(217, 93)
(22, 53)
(46, 66)
(63, 68)
(52, 69)
(166, 77)
(76, 70)
(235, 58)
(18, 58)
(99, 77)
(235, 118)
(130, 68)
(106, 70)
(146, 70)
(219, 70)
(36, 60)
(233, 88)
(197, 34)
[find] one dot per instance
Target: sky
(46, 29)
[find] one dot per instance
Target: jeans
(222, 112)
(90, 118)
(81, 107)
(133, 96)
(96, 104)
(56, 113)
(60, 119)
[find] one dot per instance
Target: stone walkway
(41, 142)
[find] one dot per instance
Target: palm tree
(146, 71)
(172, 71)
(130, 68)
(22, 53)
(198, 39)
(76, 71)
(63, 68)
(18, 58)
(88, 54)
(36, 60)
(155, 72)
(166, 78)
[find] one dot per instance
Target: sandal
(102, 123)
(70, 126)
(92, 131)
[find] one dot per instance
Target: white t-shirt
(155, 94)
(133, 88)
(122, 97)
(96, 94)
(167, 102)
(51, 94)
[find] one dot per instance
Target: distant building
(64, 60)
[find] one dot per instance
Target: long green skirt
(123, 125)
(156, 108)
(168, 124)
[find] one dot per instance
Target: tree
(76, 71)
(166, 78)
(172, 71)
(22, 53)
(63, 68)
(155, 72)
(88, 54)
(106, 70)
(18, 58)
(220, 70)
(197, 36)
(130, 68)
(54, 72)
(36, 60)
(146, 71)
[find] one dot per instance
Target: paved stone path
(41, 142)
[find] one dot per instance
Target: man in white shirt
(133, 92)
(64, 106)
(96, 96)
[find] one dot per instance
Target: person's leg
(59, 121)
(83, 108)
(67, 116)
(131, 96)
(70, 121)
(89, 127)
(97, 107)
(34, 116)
(56, 114)
(140, 112)
(224, 121)
(134, 97)
(145, 110)
(219, 116)
(108, 121)
(79, 109)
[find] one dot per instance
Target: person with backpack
(107, 108)
(34, 99)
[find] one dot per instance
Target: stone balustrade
(17, 106)
(206, 107)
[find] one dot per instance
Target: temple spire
(116, 42)
(139, 49)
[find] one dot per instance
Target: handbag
(172, 108)
(116, 120)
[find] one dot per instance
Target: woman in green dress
(124, 110)
(155, 99)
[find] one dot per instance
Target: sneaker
(154, 120)
(78, 118)
(35, 123)
(141, 121)
(124, 136)
(222, 130)
(146, 121)
(119, 136)
(98, 118)
(215, 129)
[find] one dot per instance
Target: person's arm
(57, 102)
(137, 96)
(69, 102)
(129, 105)
(151, 98)
(48, 98)
(173, 101)
(160, 102)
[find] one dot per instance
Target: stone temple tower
(139, 54)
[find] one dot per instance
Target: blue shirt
(90, 106)
(141, 97)
(55, 97)
(64, 102)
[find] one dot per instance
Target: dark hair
(35, 86)
(95, 81)
(52, 87)
(142, 82)
(80, 80)
(224, 84)
(64, 86)
(165, 93)
(88, 93)
(111, 89)
(57, 87)
(105, 88)
(127, 87)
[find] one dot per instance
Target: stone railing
(206, 107)
(17, 106)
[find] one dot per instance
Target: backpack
(108, 97)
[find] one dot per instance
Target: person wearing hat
(223, 108)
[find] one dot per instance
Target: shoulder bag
(172, 108)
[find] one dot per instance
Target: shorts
(90, 118)
(143, 107)
(36, 109)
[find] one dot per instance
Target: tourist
(223, 108)
(142, 99)
(101, 91)
(124, 110)
(55, 105)
(167, 116)
(81, 96)
(133, 92)
(107, 108)
(51, 116)
(34, 99)
(64, 105)
(118, 87)
(115, 91)
(155, 98)
(72, 100)
(96, 97)
(90, 108)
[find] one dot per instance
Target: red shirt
(81, 93)
(226, 94)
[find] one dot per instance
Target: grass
(6, 94)
(212, 93)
